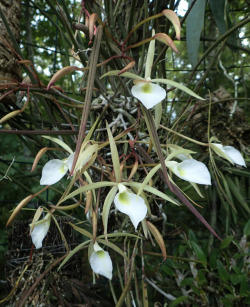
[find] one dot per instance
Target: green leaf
(212, 259)
(74, 251)
(158, 114)
(59, 142)
(106, 208)
(195, 186)
(237, 193)
(114, 155)
(235, 279)
(243, 285)
(151, 190)
(218, 10)
(125, 74)
(199, 253)
(177, 301)
(169, 271)
(148, 178)
(92, 186)
(225, 243)
(222, 271)
(179, 86)
(82, 231)
(222, 20)
(195, 22)
(247, 229)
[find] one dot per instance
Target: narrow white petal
(132, 205)
(234, 155)
(70, 161)
(191, 170)
(230, 153)
(148, 93)
(101, 263)
(53, 171)
(40, 231)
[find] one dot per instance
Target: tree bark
(9, 67)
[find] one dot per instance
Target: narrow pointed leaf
(195, 23)
(151, 190)
(61, 233)
(73, 252)
(125, 74)
(199, 253)
(114, 155)
(59, 142)
(150, 57)
(179, 86)
(92, 186)
(82, 231)
(195, 186)
(158, 114)
(106, 208)
(148, 178)
(69, 207)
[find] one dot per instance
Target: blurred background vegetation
(200, 270)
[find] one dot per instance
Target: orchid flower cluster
(127, 196)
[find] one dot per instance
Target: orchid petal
(229, 153)
(85, 156)
(131, 204)
(100, 262)
(190, 170)
(40, 231)
(148, 93)
(234, 155)
(53, 171)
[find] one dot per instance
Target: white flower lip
(131, 204)
(53, 171)
(232, 153)
(100, 262)
(191, 170)
(149, 94)
(40, 231)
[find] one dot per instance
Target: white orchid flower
(145, 89)
(100, 262)
(230, 153)
(131, 204)
(148, 93)
(39, 230)
(190, 170)
(55, 169)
